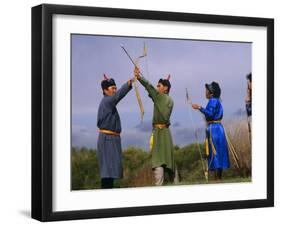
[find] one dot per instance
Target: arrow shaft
(205, 171)
(135, 83)
(131, 59)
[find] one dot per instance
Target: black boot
(218, 174)
(106, 183)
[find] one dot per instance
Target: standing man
(162, 145)
(109, 150)
(216, 142)
(248, 101)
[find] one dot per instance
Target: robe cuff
(201, 109)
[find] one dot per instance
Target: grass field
(137, 164)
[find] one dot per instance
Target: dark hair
(249, 77)
(107, 83)
(165, 82)
(214, 89)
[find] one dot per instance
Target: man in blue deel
(216, 141)
(109, 150)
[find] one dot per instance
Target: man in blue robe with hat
(109, 150)
(216, 140)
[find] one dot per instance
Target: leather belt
(215, 121)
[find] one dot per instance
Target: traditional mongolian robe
(162, 148)
(109, 150)
(216, 142)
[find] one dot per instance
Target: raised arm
(150, 88)
(120, 93)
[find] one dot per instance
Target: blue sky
(191, 63)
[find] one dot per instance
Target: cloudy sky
(191, 63)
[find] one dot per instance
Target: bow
(135, 63)
(205, 169)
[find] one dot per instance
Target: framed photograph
(146, 112)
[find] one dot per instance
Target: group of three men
(109, 149)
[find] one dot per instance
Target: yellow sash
(212, 144)
(151, 140)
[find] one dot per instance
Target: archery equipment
(205, 169)
(135, 63)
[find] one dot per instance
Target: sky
(191, 64)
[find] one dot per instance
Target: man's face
(110, 91)
(161, 88)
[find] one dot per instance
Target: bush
(84, 169)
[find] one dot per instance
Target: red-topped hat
(166, 82)
(107, 82)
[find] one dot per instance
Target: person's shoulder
(214, 101)
(105, 100)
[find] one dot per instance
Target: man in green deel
(162, 144)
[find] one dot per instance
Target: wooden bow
(135, 62)
(138, 95)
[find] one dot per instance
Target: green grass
(137, 169)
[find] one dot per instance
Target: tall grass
(238, 132)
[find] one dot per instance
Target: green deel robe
(162, 149)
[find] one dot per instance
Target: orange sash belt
(160, 126)
(110, 132)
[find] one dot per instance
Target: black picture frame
(42, 111)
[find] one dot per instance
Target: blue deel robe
(215, 133)
(109, 150)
